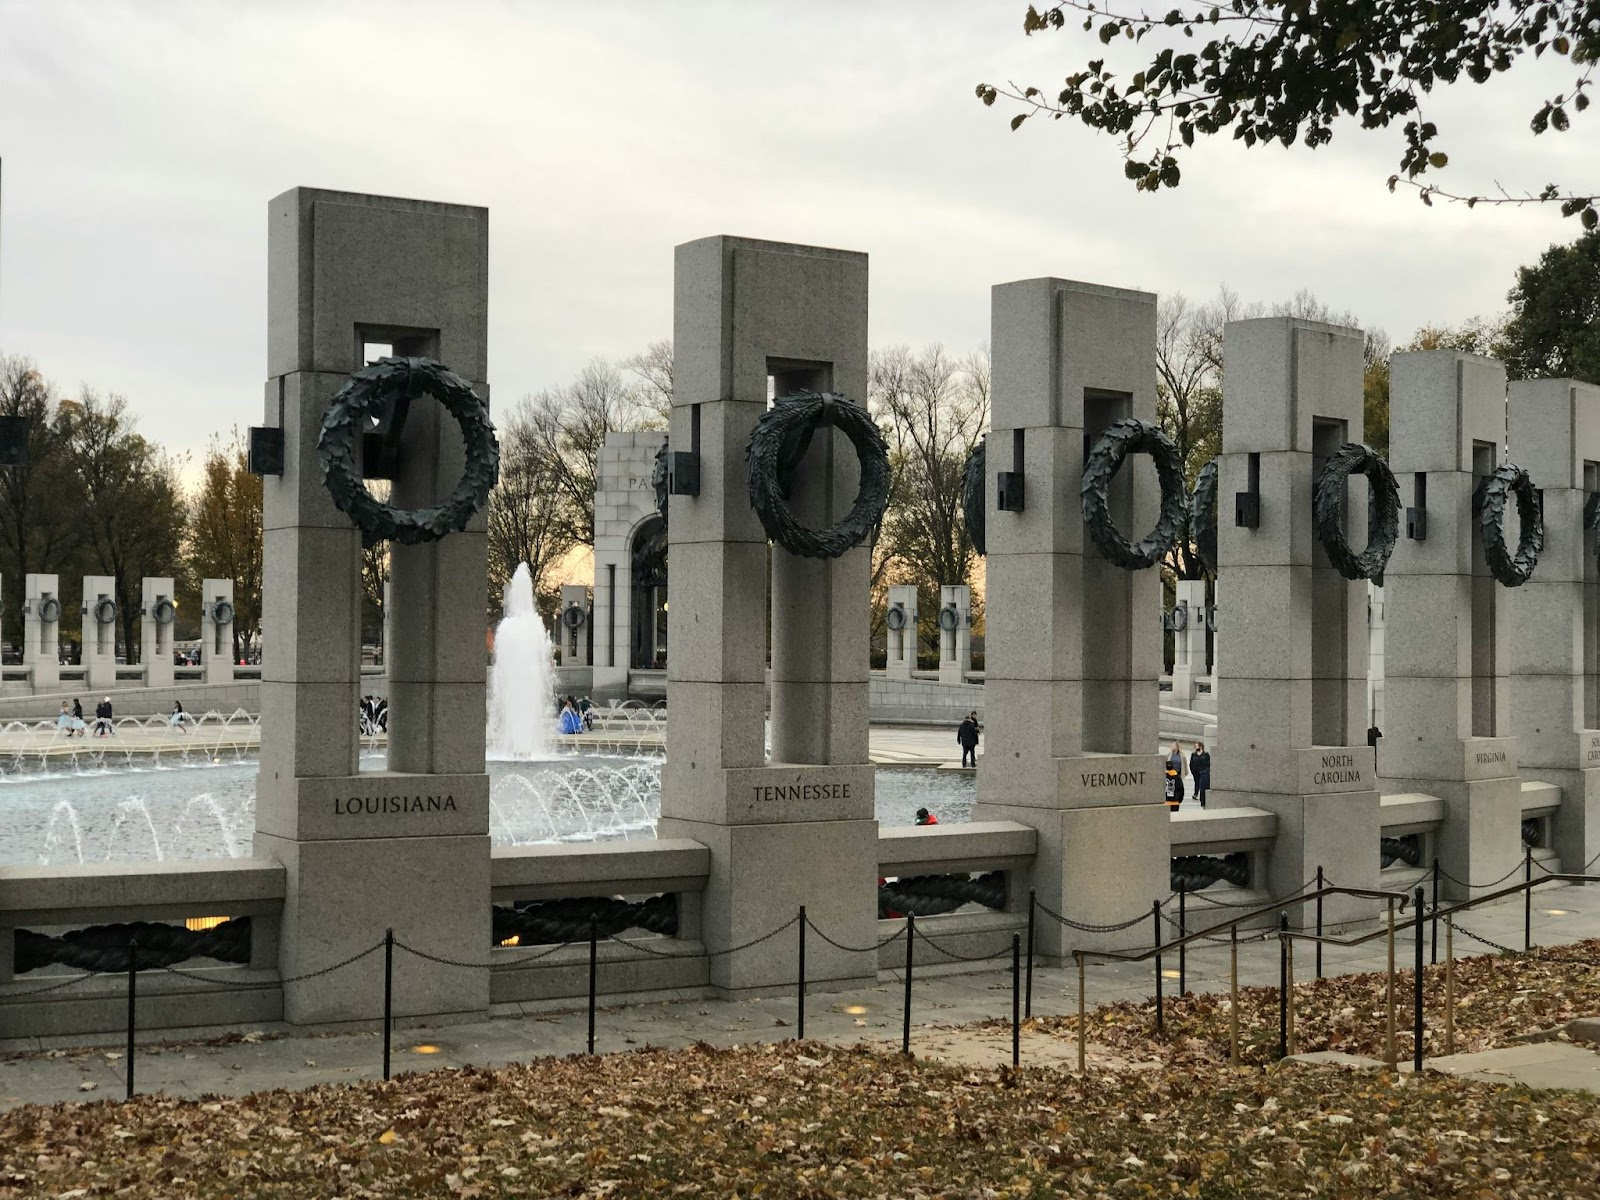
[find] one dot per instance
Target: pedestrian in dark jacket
(1200, 768)
(1173, 788)
(967, 736)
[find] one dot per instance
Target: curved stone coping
(1222, 830)
(552, 872)
(1538, 799)
(1409, 812)
(92, 892)
(950, 849)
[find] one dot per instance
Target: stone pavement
(282, 1056)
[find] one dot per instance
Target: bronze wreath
(105, 611)
(222, 613)
(1511, 570)
(949, 618)
(1383, 512)
(1203, 516)
(573, 616)
(165, 611)
(972, 493)
(778, 443)
(364, 396)
(659, 480)
(49, 610)
(1127, 437)
(895, 618)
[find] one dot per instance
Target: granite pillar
(1555, 634)
(158, 614)
(753, 318)
(1073, 646)
(955, 644)
(216, 630)
(1446, 635)
(575, 636)
(901, 660)
(1292, 693)
(99, 632)
(350, 278)
(41, 624)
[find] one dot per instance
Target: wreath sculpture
(778, 443)
(49, 610)
(1510, 479)
(573, 616)
(105, 611)
(972, 493)
(1203, 516)
(165, 612)
(1127, 437)
(895, 618)
(1383, 512)
(222, 613)
(365, 396)
(949, 618)
(659, 481)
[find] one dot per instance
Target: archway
(648, 596)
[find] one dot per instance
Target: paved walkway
(282, 1056)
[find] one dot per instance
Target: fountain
(521, 714)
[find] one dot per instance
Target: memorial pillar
(352, 279)
(1555, 636)
(955, 632)
(41, 623)
(1188, 640)
(216, 630)
(158, 613)
(99, 613)
(574, 626)
(754, 318)
(1446, 632)
(1073, 647)
(1292, 698)
(901, 622)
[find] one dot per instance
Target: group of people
(70, 718)
(374, 715)
(1199, 770)
(576, 716)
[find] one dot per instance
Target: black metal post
(1033, 903)
(1416, 1016)
(133, 988)
(800, 997)
(1283, 985)
(1016, 999)
(594, 944)
(1433, 952)
(388, 996)
(1183, 949)
(1161, 1016)
(905, 1018)
(1527, 899)
(1320, 885)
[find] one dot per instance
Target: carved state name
(1338, 768)
(1485, 757)
(372, 806)
(803, 791)
(1105, 779)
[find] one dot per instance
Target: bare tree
(653, 366)
(527, 523)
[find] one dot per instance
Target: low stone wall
(921, 700)
(197, 698)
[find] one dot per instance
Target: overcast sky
(142, 141)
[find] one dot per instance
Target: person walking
(102, 719)
(967, 736)
(1200, 768)
(1172, 789)
(64, 720)
(79, 727)
(178, 718)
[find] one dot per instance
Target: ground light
(425, 1049)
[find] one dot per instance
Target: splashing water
(63, 820)
(521, 715)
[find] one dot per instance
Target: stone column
(1073, 648)
(1292, 698)
(406, 848)
(575, 638)
(749, 315)
(99, 635)
(216, 630)
(157, 616)
(388, 626)
(955, 645)
(1555, 437)
(41, 638)
(1188, 643)
(1445, 629)
(901, 647)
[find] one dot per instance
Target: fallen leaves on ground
(1498, 998)
(806, 1120)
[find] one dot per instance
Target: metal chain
(1487, 942)
(1086, 928)
(963, 957)
(708, 954)
(256, 983)
(1495, 883)
(534, 956)
(1312, 882)
(443, 962)
(892, 938)
(51, 987)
